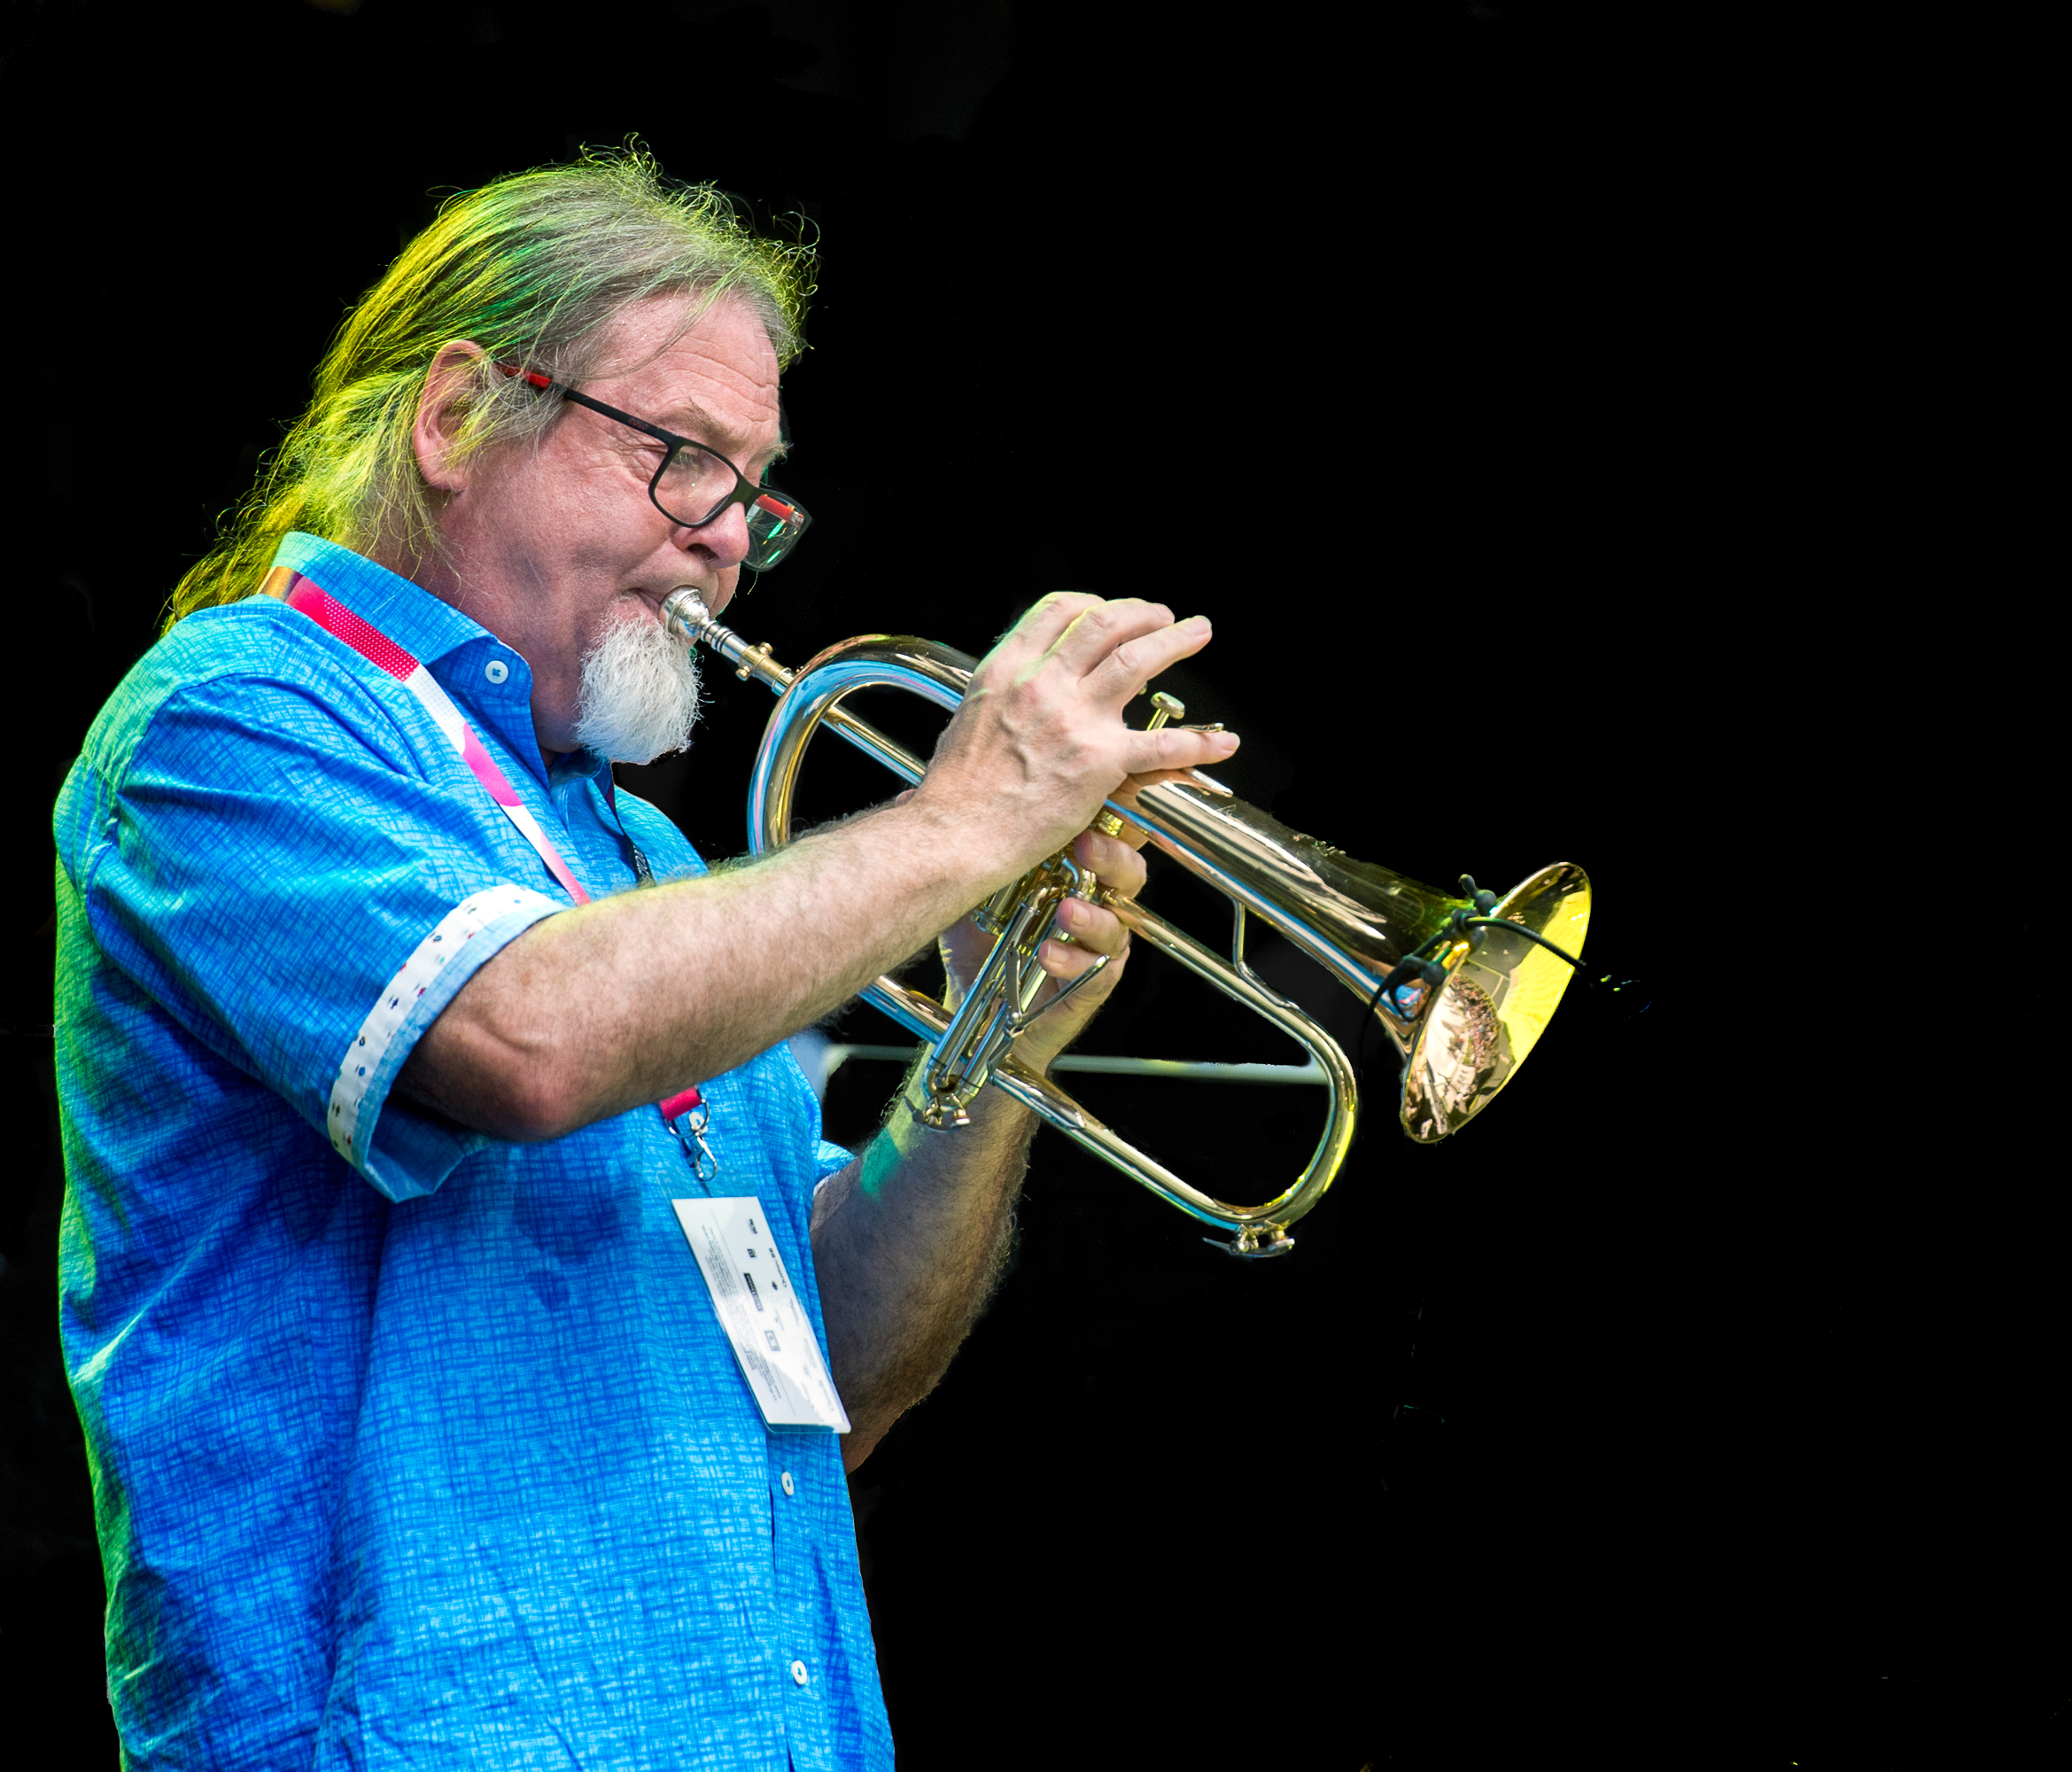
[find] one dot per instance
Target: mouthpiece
(684, 614)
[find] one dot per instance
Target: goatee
(640, 693)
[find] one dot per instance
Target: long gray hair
(535, 268)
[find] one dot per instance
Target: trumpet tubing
(1463, 997)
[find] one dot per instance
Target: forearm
(632, 998)
(909, 1243)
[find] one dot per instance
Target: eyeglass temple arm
(533, 376)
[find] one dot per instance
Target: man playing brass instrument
(417, 1433)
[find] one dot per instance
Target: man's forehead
(719, 376)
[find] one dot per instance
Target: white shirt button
(786, 1481)
(798, 1672)
(496, 670)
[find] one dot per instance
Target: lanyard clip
(690, 1130)
(688, 1116)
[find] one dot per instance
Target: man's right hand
(1040, 740)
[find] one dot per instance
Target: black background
(1592, 441)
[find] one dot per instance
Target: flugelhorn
(1461, 984)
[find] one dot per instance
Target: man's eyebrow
(688, 419)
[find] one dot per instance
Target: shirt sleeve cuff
(403, 1152)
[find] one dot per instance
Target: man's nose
(724, 538)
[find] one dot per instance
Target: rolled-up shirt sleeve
(286, 868)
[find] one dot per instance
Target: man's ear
(441, 408)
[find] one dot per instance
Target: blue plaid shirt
(444, 1462)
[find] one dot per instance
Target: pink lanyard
(312, 600)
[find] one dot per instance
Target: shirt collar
(487, 678)
(422, 625)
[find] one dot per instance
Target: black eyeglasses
(692, 477)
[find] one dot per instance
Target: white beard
(640, 693)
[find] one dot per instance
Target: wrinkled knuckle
(1097, 615)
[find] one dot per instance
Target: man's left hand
(1095, 931)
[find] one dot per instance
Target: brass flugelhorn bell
(1463, 984)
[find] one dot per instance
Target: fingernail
(1226, 739)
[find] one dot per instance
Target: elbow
(524, 1092)
(534, 1108)
(536, 1091)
